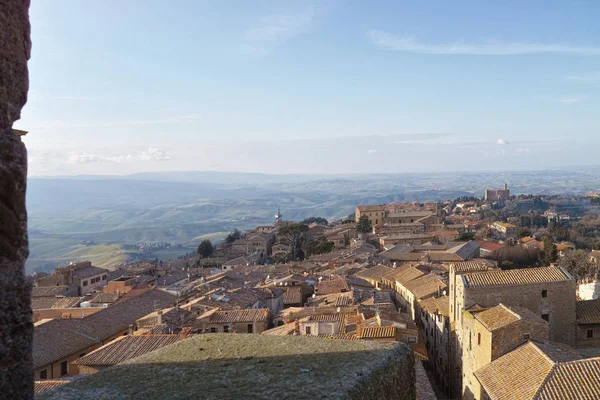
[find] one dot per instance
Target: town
(470, 285)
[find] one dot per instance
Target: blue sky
(119, 87)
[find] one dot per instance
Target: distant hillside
(180, 207)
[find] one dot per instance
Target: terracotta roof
(283, 330)
(537, 371)
(371, 208)
(573, 380)
(588, 312)
(234, 316)
(42, 386)
(378, 332)
(499, 316)
(516, 277)
(49, 291)
(473, 265)
(376, 273)
(331, 286)
(46, 303)
(425, 286)
(60, 338)
(489, 246)
(125, 348)
(408, 274)
(341, 336)
(335, 299)
(84, 272)
(105, 298)
(293, 295)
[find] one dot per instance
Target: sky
(119, 87)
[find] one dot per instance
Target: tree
(578, 263)
(233, 236)
(509, 257)
(205, 248)
(549, 253)
(319, 246)
(316, 220)
(364, 225)
(466, 237)
(294, 235)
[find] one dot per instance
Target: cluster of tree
(364, 225)
(295, 235)
(206, 248)
(533, 221)
(549, 252)
(233, 236)
(559, 231)
(578, 263)
(466, 236)
(510, 257)
(318, 246)
(316, 220)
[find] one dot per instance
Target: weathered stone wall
(559, 304)
(16, 328)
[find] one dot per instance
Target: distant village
(498, 297)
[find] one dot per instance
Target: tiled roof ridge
(546, 356)
(507, 308)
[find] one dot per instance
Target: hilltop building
(497, 194)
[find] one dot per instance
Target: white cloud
(522, 150)
(502, 142)
(372, 151)
(273, 30)
(570, 100)
(152, 154)
(84, 158)
(393, 42)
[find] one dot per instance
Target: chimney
(131, 329)
(359, 330)
(297, 327)
(159, 317)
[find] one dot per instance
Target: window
(213, 330)
(64, 368)
(590, 333)
(225, 329)
(308, 330)
(546, 317)
(526, 336)
(544, 293)
(103, 277)
(250, 328)
(44, 374)
(479, 339)
(85, 283)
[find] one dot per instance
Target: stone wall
(16, 327)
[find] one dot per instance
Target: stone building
(489, 333)
(375, 214)
(497, 194)
(235, 321)
(588, 323)
(83, 276)
(547, 291)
